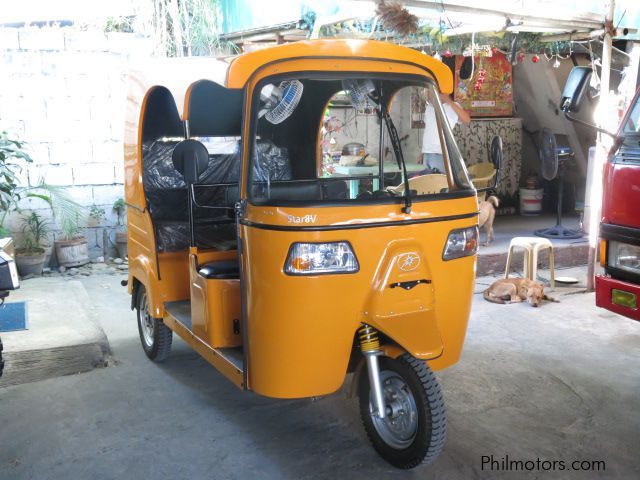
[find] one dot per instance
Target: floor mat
(13, 316)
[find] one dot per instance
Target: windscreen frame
(252, 110)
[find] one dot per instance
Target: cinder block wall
(62, 91)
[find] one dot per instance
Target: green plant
(12, 160)
(184, 28)
(35, 230)
(97, 213)
(120, 208)
(70, 226)
(11, 156)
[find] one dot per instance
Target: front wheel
(155, 336)
(415, 427)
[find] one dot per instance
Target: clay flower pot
(30, 263)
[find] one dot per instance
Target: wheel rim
(147, 324)
(399, 427)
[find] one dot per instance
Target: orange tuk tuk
(288, 250)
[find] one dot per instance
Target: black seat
(222, 270)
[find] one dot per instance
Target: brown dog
(512, 290)
(487, 215)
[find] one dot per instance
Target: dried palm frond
(397, 18)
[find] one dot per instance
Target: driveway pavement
(557, 383)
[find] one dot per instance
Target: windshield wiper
(397, 150)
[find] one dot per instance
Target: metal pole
(596, 179)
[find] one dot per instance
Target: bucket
(531, 201)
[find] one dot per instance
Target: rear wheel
(155, 336)
(414, 429)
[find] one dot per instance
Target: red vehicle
(618, 289)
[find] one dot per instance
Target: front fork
(370, 347)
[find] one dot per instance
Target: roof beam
(569, 24)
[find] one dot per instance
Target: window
(335, 146)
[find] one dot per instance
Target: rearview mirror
(575, 88)
(190, 158)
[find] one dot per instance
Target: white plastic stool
(532, 246)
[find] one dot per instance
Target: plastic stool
(532, 246)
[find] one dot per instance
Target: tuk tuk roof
(244, 66)
(179, 75)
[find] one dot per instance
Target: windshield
(327, 140)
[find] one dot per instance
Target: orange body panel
(215, 304)
(301, 328)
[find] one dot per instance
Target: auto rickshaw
(284, 261)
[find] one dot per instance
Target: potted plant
(31, 257)
(121, 229)
(12, 159)
(97, 215)
(72, 249)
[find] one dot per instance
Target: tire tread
(432, 402)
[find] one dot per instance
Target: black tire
(1, 360)
(428, 423)
(155, 336)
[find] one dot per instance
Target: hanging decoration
(556, 56)
(480, 79)
(395, 23)
(397, 18)
(535, 58)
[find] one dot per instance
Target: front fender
(405, 315)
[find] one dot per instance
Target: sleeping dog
(512, 290)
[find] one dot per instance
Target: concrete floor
(559, 382)
(509, 226)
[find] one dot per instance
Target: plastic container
(531, 201)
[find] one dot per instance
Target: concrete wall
(62, 91)
(537, 89)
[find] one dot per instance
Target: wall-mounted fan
(553, 162)
(279, 102)
(360, 92)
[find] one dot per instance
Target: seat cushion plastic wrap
(174, 236)
(271, 162)
(167, 199)
(160, 174)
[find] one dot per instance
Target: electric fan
(280, 101)
(359, 92)
(553, 161)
